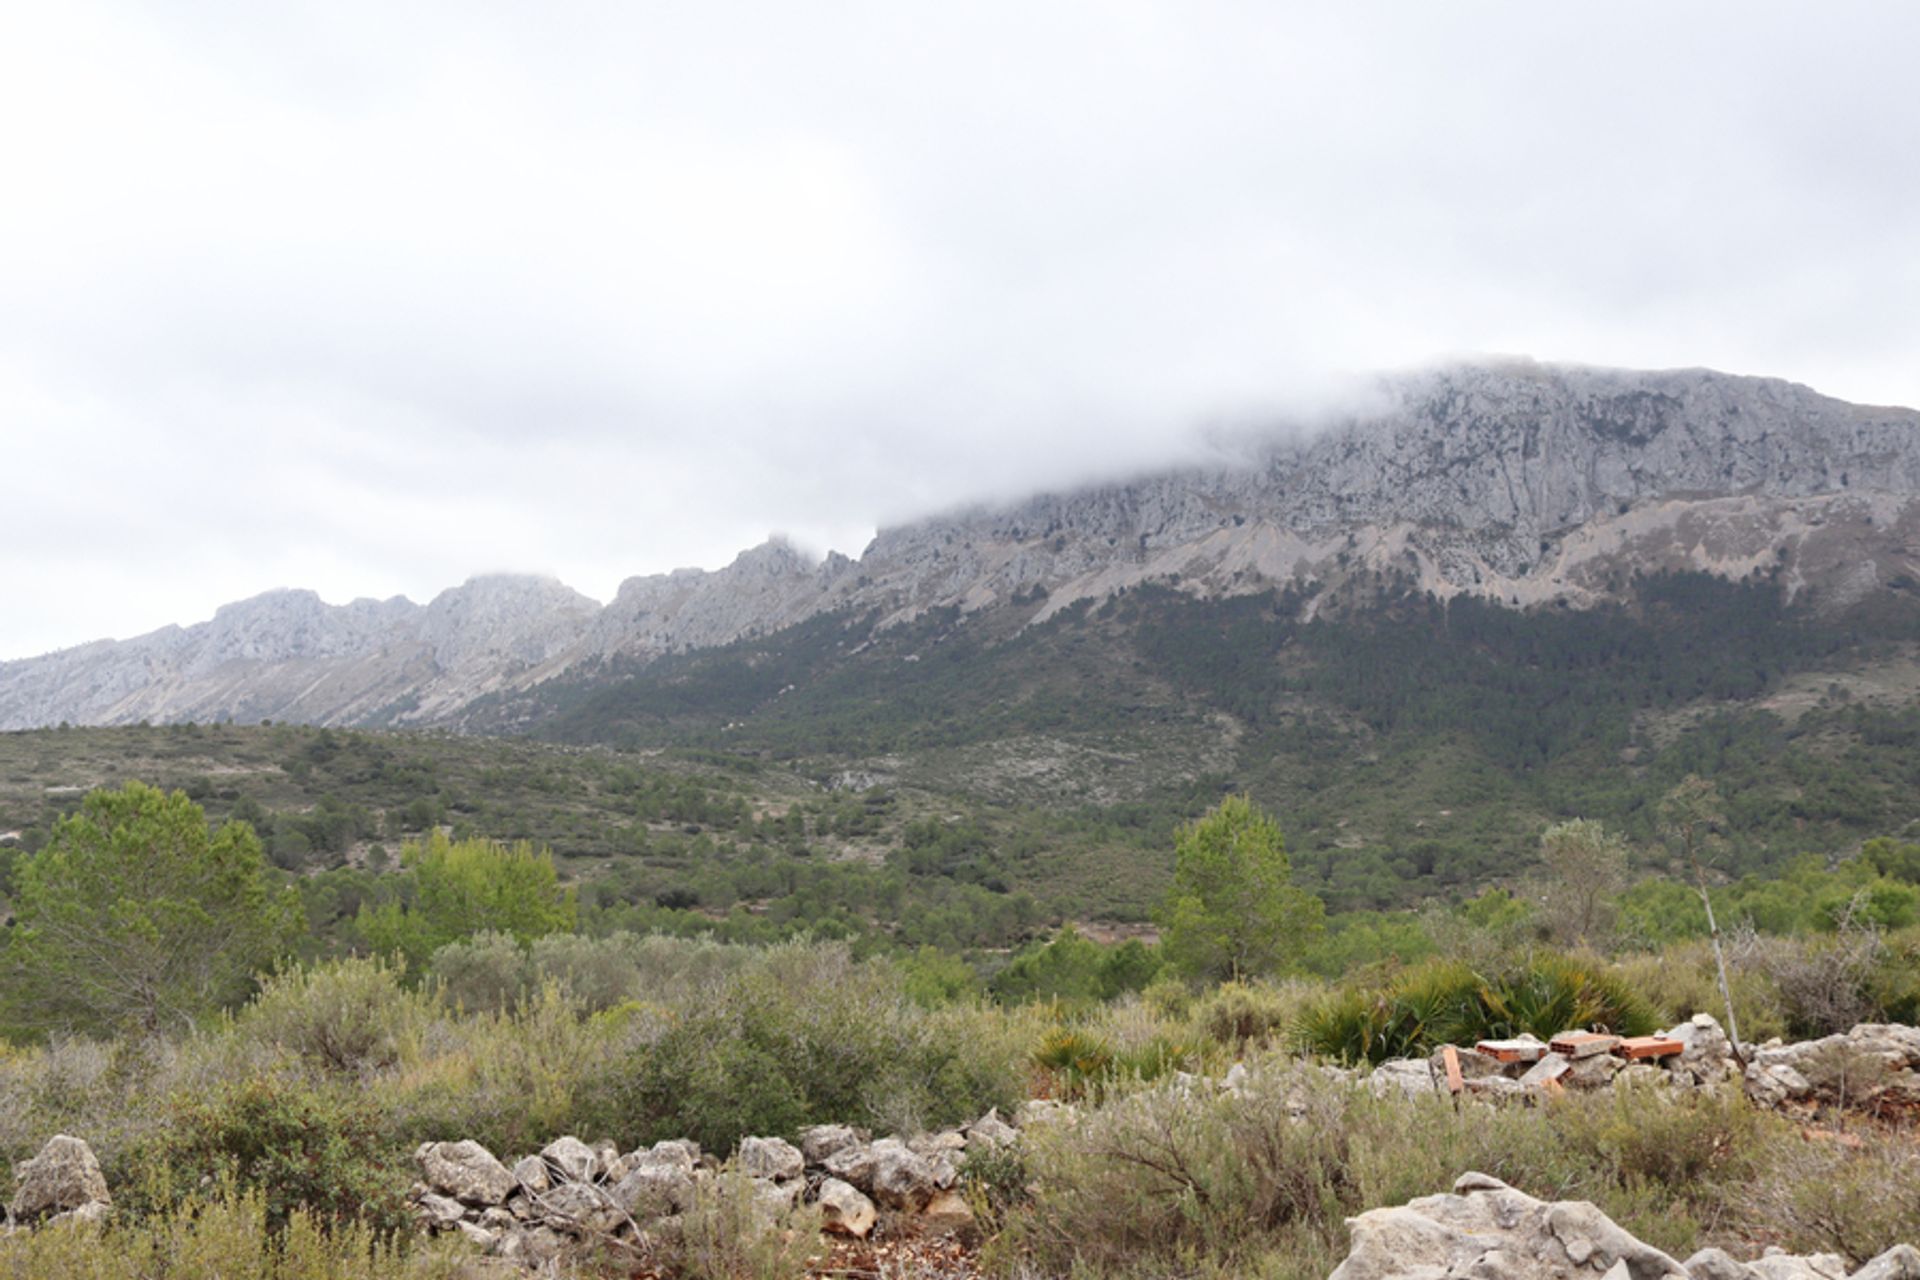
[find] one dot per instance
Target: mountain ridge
(1523, 483)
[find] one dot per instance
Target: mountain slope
(1517, 483)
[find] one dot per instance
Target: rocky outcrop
(1486, 1230)
(1520, 483)
(61, 1184)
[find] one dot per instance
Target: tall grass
(1163, 1181)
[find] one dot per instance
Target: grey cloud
(369, 298)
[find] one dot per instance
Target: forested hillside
(971, 785)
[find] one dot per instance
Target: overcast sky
(370, 297)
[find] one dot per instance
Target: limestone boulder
(661, 1182)
(571, 1160)
(532, 1173)
(1486, 1229)
(823, 1140)
(1402, 1078)
(905, 1180)
(582, 1208)
(1773, 1083)
(64, 1178)
(466, 1171)
(1778, 1264)
(774, 1159)
(1717, 1264)
(991, 1131)
(946, 1214)
(438, 1211)
(845, 1210)
(1902, 1262)
(1705, 1053)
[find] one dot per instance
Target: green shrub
(319, 1151)
(1157, 1179)
(230, 1235)
(1680, 981)
(730, 1235)
(995, 1179)
(347, 1017)
(487, 973)
(1074, 1060)
(1639, 1135)
(1859, 1198)
(512, 1081)
(1241, 1014)
(1447, 1002)
(1555, 993)
(804, 1034)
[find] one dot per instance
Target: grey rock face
(1516, 482)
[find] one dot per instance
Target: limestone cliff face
(1524, 483)
(287, 655)
(1520, 482)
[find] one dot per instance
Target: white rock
(466, 1171)
(571, 1160)
(845, 1210)
(63, 1178)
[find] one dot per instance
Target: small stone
(90, 1214)
(477, 1236)
(530, 1246)
(1717, 1264)
(1550, 1068)
(1592, 1072)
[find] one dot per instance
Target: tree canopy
(1234, 910)
(453, 889)
(1587, 869)
(135, 914)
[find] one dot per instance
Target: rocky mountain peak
(1521, 482)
